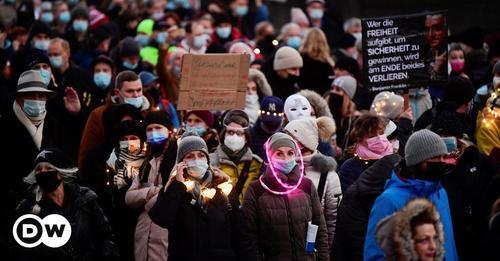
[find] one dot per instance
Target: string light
(226, 187)
(208, 193)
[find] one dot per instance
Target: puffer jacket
(276, 225)
(151, 240)
(219, 159)
(316, 164)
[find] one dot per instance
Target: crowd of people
(314, 167)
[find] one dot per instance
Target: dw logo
(30, 230)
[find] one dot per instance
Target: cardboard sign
(402, 52)
(213, 81)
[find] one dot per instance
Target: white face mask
(197, 168)
(132, 146)
(252, 99)
(234, 142)
(496, 82)
(297, 107)
(395, 145)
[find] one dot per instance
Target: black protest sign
(402, 52)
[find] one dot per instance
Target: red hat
(206, 116)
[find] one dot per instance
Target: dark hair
(125, 76)
(368, 124)
(423, 218)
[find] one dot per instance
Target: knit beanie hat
(447, 123)
(349, 65)
(56, 158)
(298, 16)
(39, 27)
(103, 59)
(346, 83)
(158, 117)
(458, 91)
(206, 116)
(347, 41)
(423, 145)
(309, 131)
(286, 57)
(146, 27)
(129, 47)
(191, 142)
(280, 139)
(129, 127)
(387, 104)
(35, 56)
(80, 11)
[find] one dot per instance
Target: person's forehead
(284, 149)
(315, 5)
(294, 31)
(434, 19)
(155, 126)
(132, 84)
(234, 126)
(39, 65)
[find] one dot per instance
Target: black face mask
(292, 78)
(336, 101)
(436, 171)
(48, 181)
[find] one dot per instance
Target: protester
(103, 76)
(488, 132)
(291, 35)
(257, 89)
(315, 10)
(201, 123)
(283, 72)
(297, 107)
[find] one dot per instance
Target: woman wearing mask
(169, 71)
(151, 241)
(201, 122)
(76, 34)
(371, 144)
(233, 156)
(257, 89)
(318, 64)
(103, 82)
(456, 59)
(282, 207)
(194, 207)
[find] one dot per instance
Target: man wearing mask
(283, 72)
(269, 122)
(128, 89)
(424, 167)
(62, 16)
(126, 56)
(201, 123)
(196, 40)
(315, 10)
(245, 18)
(77, 33)
(291, 35)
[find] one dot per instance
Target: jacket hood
(418, 187)
(318, 103)
(260, 79)
(320, 162)
(372, 180)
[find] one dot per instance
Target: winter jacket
(354, 209)
(488, 135)
(276, 225)
(259, 137)
(91, 236)
(404, 130)
(397, 193)
(350, 170)
(194, 234)
(315, 165)
(314, 75)
(151, 240)
(220, 160)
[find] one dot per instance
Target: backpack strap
(321, 185)
(238, 188)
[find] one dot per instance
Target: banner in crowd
(402, 52)
(213, 81)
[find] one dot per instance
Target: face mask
(223, 32)
(64, 17)
(297, 107)
(41, 44)
(45, 76)
(284, 166)
(161, 38)
(56, 61)
(196, 129)
(294, 42)
(73, 2)
(436, 171)
(157, 16)
(48, 180)
(252, 98)
(80, 25)
(358, 36)
(102, 80)
(136, 102)
(131, 146)
(156, 137)
(208, 31)
(129, 65)
(234, 142)
(33, 108)
(316, 13)
(197, 168)
(457, 65)
(496, 82)
(177, 71)
(378, 144)
(336, 100)
(199, 41)
(183, 3)
(271, 124)
(241, 10)
(142, 39)
(47, 18)
(451, 143)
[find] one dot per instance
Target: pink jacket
(151, 240)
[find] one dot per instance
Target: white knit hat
(309, 131)
(346, 83)
(286, 57)
(387, 104)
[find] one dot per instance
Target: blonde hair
(316, 47)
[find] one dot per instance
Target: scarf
(125, 164)
(198, 186)
(365, 153)
(34, 125)
(252, 110)
(234, 156)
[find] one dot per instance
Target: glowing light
(208, 193)
(275, 42)
(226, 187)
(257, 51)
(189, 185)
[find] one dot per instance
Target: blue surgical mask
(156, 137)
(64, 17)
(170, 6)
(47, 17)
(73, 2)
(41, 44)
(136, 102)
(199, 41)
(102, 80)
(223, 32)
(196, 129)
(316, 13)
(284, 166)
(45, 76)
(129, 65)
(161, 37)
(80, 25)
(142, 39)
(176, 70)
(33, 108)
(56, 61)
(294, 42)
(241, 10)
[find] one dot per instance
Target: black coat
(91, 236)
(192, 233)
(282, 88)
(315, 74)
(355, 207)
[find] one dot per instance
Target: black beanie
(349, 65)
(56, 158)
(458, 91)
(39, 27)
(80, 11)
(35, 56)
(347, 41)
(129, 47)
(158, 117)
(448, 124)
(103, 59)
(130, 127)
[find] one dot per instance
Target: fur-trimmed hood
(318, 103)
(263, 87)
(322, 163)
